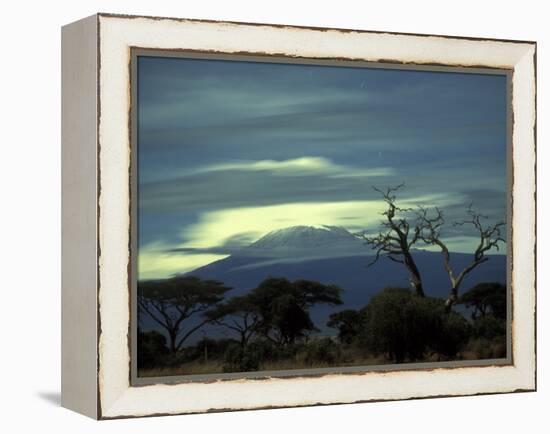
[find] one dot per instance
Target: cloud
(230, 245)
(216, 228)
(237, 184)
(303, 166)
(219, 233)
(155, 261)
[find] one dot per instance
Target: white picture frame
(96, 274)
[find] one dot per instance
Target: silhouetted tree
(489, 311)
(395, 327)
(238, 314)
(284, 306)
(452, 333)
(170, 302)
(404, 326)
(397, 238)
(151, 345)
(348, 322)
(489, 238)
(487, 298)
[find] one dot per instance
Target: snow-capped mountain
(306, 242)
(304, 236)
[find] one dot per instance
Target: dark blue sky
(231, 150)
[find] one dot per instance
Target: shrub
(151, 349)
(213, 348)
(452, 335)
(489, 327)
(241, 359)
(403, 326)
(482, 348)
(321, 351)
(394, 325)
(348, 322)
(238, 358)
(487, 298)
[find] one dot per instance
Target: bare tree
(397, 237)
(489, 237)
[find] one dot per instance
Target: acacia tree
(238, 314)
(172, 302)
(486, 298)
(284, 307)
(397, 237)
(490, 235)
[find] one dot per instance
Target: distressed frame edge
(79, 272)
(315, 28)
(529, 386)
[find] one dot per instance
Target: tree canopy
(404, 326)
(486, 298)
(170, 302)
(283, 306)
(238, 314)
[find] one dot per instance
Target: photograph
(262, 216)
(275, 218)
(295, 215)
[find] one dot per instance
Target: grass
(337, 356)
(293, 364)
(216, 367)
(192, 368)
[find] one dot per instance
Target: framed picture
(261, 216)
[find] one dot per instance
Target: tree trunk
(173, 335)
(244, 339)
(452, 299)
(415, 279)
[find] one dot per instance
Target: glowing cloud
(154, 262)
(215, 227)
(303, 166)
(221, 227)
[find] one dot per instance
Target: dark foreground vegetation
(271, 329)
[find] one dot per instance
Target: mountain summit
(306, 242)
(304, 236)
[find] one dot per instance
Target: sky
(229, 151)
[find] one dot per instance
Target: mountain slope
(351, 273)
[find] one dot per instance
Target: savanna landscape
(270, 327)
(309, 216)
